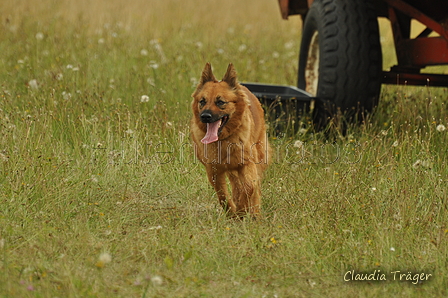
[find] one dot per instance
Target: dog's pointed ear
(230, 76)
(207, 74)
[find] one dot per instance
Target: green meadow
(101, 196)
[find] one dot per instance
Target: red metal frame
(284, 10)
(415, 54)
(418, 15)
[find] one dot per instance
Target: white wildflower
(144, 52)
(129, 131)
(157, 280)
(289, 45)
(66, 95)
(417, 163)
(426, 164)
(275, 55)
(373, 188)
(194, 82)
(199, 44)
(395, 144)
(59, 76)
(220, 51)
(151, 82)
(440, 127)
(104, 259)
(39, 36)
(153, 64)
(421, 163)
(69, 66)
(298, 144)
(3, 157)
(392, 249)
(101, 40)
(33, 84)
(312, 283)
(144, 98)
(242, 48)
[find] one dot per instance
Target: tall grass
(100, 194)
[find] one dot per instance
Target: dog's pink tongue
(212, 132)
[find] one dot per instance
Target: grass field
(100, 195)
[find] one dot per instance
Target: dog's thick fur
(229, 135)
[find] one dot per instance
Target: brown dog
(229, 135)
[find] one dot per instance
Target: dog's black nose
(206, 117)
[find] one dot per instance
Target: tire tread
(350, 65)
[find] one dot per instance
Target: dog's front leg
(246, 190)
(218, 180)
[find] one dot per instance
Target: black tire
(349, 64)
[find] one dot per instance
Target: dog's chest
(224, 153)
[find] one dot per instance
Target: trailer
(340, 58)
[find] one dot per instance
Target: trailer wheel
(340, 58)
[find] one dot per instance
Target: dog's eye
(220, 103)
(202, 102)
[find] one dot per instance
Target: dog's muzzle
(207, 117)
